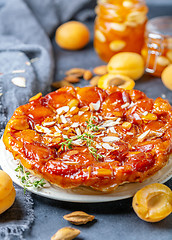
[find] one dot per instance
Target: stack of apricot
(123, 67)
(7, 192)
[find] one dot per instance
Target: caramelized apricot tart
(92, 137)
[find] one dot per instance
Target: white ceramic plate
(82, 194)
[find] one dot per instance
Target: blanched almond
(110, 139)
(48, 124)
(95, 106)
(75, 124)
(63, 119)
(100, 36)
(19, 81)
(108, 146)
(42, 129)
(62, 110)
(118, 27)
(127, 4)
(117, 45)
(143, 136)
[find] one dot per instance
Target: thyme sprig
(24, 177)
(86, 136)
(90, 124)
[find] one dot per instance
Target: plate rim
(64, 195)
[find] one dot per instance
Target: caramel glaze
(129, 154)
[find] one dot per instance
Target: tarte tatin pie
(91, 137)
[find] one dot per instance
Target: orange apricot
(127, 63)
(153, 202)
(7, 192)
(72, 35)
(119, 80)
(167, 77)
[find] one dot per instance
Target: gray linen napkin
(26, 53)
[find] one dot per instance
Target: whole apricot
(153, 202)
(72, 35)
(7, 192)
(6, 184)
(8, 201)
(127, 63)
(167, 77)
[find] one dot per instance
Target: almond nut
(94, 81)
(100, 70)
(100, 36)
(117, 45)
(78, 217)
(66, 233)
(71, 79)
(62, 83)
(87, 75)
(77, 71)
(19, 81)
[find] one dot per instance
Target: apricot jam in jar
(157, 50)
(119, 27)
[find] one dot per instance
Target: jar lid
(160, 25)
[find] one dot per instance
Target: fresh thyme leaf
(66, 144)
(24, 179)
(39, 183)
(19, 168)
(86, 136)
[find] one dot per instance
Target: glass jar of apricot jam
(119, 27)
(157, 50)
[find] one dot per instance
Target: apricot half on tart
(91, 137)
